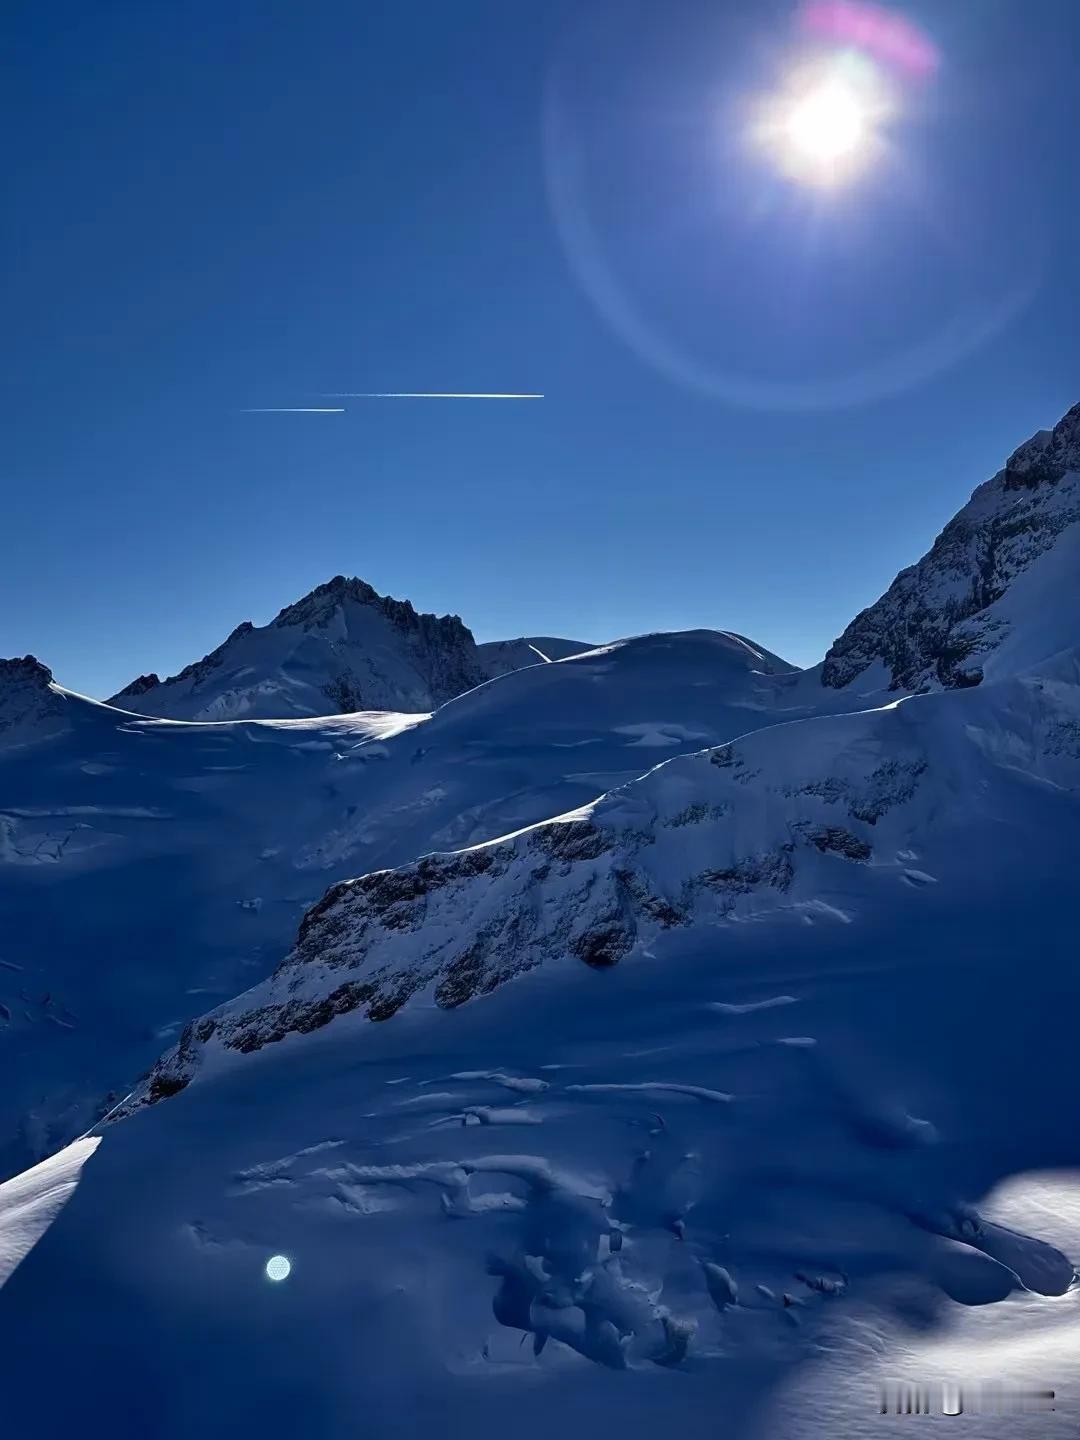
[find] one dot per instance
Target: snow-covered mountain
(820, 818)
(340, 649)
(30, 703)
(187, 853)
(499, 657)
(959, 614)
(452, 927)
(737, 1089)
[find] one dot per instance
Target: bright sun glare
(827, 123)
(823, 126)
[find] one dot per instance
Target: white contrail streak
(426, 395)
(294, 410)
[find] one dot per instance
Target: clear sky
(214, 206)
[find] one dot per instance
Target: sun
(828, 123)
(824, 126)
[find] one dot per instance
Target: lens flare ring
(872, 42)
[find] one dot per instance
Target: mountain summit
(980, 599)
(29, 701)
(339, 649)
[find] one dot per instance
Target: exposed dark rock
(893, 782)
(163, 1086)
(461, 980)
(775, 871)
(572, 840)
(930, 626)
(26, 695)
(139, 686)
(603, 947)
(1048, 456)
(834, 840)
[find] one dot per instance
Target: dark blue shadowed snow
(440, 1185)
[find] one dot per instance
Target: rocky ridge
(938, 621)
(340, 649)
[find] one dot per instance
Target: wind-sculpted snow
(814, 818)
(941, 619)
(30, 1202)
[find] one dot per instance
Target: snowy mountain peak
(29, 700)
(27, 670)
(1048, 456)
(319, 607)
(139, 686)
(987, 598)
(341, 648)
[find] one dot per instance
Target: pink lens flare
(886, 35)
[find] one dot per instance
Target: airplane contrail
(429, 395)
(294, 410)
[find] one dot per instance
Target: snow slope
(819, 818)
(499, 657)
(342, 648)
(151, 868)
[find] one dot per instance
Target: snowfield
(684, 1045)
(150, 868)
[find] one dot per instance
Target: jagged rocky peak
(942, 620)
(25, 671)
(29, 699)
(320, 606)
(320, 603)
(1048, 456)
(339, 649)
(139, 686)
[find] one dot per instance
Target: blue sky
(213, 207)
